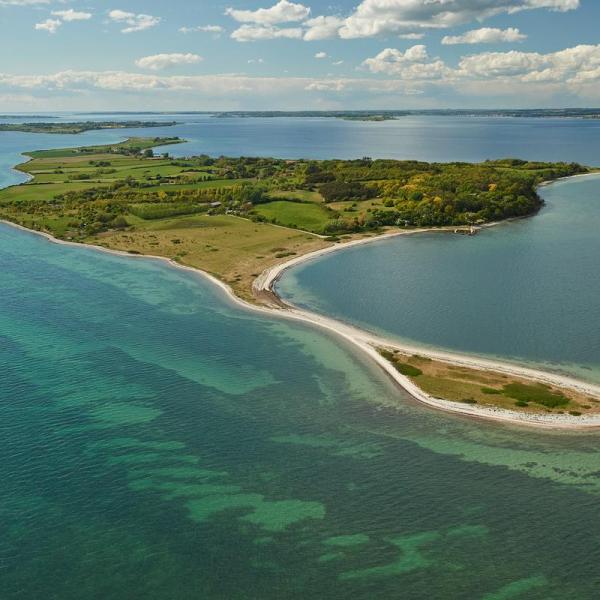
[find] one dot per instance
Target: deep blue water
(159, 442)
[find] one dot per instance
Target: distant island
(61, 127)
(383, 115)
(245, 220)
(23, 117)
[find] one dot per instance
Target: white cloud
(322, 28)
(485, 35)
(134, 22)
(375, 17)
(337, 63)
(49, 25)
(255, 33)
(571, 66)
(321, 55)
(81, 82)
(214, 29)
(282, 12)
(412, 64)
(411, 36)
(23, 2)
(571, 70)
(326, 86)
(494, 64)
(72, 15)
(157, 62)
(571, 75)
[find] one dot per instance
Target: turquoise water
(524, 291)
(159, 442)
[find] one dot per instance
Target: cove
(524, 291)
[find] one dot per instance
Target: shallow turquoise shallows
(527, 291)
(159, 442)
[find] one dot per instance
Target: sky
(308, 55)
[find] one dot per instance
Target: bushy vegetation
(81, 191)
(539, 394)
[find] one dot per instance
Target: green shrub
(489, 390)
(408, 370)
(387, 354)
(119, 222)
(521, 403)
(538, 394)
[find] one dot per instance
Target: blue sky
(310, 54)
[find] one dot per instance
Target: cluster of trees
(422, 194)
(336, 191)
(409, 193)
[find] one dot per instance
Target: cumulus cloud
(72, 15)
(571, 65)
(569, 69)
(485, 35)
(157, 62)
(214, 29)
(282, 12)
(375, 17)
(566, 75)
(23, 2)
(399, 17)
(322, 28)
(413, 63)
(81, 82)
(255, 33)
(133, 22)
(49, 25)
(321, 55)
(411, 36)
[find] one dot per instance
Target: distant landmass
(80, 127)
(385, 115)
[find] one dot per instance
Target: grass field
(301, 195)
(300, 215)
(233, 249)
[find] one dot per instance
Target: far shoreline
(274, 306)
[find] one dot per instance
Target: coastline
(263, 288)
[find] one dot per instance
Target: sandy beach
(368, 343)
